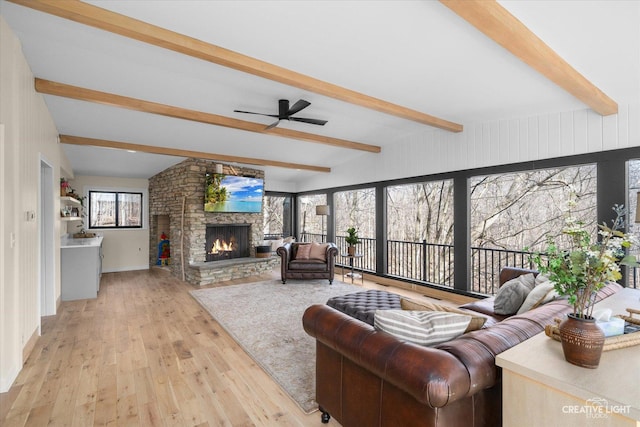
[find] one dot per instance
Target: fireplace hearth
(227, 241)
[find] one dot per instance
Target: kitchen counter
(69, 242)
(80, 267)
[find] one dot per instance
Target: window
(633, 190)
(357, 208)
(312, 226)
(420, 231)
(277, 216)
(514, 211)
(110, 209)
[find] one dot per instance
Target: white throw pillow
(541, 294)
(421, 327)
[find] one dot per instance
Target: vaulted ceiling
(163, 78)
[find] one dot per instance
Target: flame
(223, 246)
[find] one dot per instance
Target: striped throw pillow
(421, 327)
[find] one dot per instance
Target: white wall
(490, 144)
(29, 136)
(123, 249)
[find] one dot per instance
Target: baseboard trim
(130, 268)
(423, 290)
(31, 343)
(6, 381)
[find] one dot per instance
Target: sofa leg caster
(284, 281)
(325, 417)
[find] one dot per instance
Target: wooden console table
(540, 388)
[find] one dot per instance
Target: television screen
(230, 193)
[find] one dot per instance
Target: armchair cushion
(318, 251)
(303, 252)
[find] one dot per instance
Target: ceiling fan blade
(258, 114)
(300, 105)
(312, 121)
(272, 125)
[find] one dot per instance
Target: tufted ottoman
(363, 305)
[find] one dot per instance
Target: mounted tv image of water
(231, 193)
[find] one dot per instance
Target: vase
(582, 341)
(351, 250)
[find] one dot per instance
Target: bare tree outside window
(310, 223)
(102, 209)
(130, 209)
(357, 208)
(273, 215)
(633, 185)
(514, 211)
(115, 209)
(420, 231)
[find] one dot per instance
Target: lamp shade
(322, 210)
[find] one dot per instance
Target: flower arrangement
(583, 268)
(64, 186)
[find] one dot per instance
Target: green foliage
(585, 266)
(214, 192)
(352, 236)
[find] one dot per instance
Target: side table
(352, 260)
(546, 390)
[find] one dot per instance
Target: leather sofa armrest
(433, 377)
(332, 251)
(284, 252)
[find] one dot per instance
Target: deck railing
(421, 261)
(433, 264)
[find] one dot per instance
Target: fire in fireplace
(226, 241)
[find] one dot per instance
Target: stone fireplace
(226, 241)
(178, 192)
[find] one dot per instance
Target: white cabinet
(80, 268)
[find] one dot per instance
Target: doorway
(45, 217)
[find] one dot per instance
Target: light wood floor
(145, 353)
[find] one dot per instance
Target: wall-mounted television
(231, 193)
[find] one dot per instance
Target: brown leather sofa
(369, 378)
(292, 268)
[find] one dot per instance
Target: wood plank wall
(490, 144)
(30, 136)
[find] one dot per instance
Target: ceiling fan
(285, 113)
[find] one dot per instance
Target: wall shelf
(70, 218)
(70, 201)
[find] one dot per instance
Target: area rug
(265, 319)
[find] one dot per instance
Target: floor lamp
(322, 210)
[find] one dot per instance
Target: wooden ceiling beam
(90, 95)
(139, 30)
(92, 142)
(501, 26)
